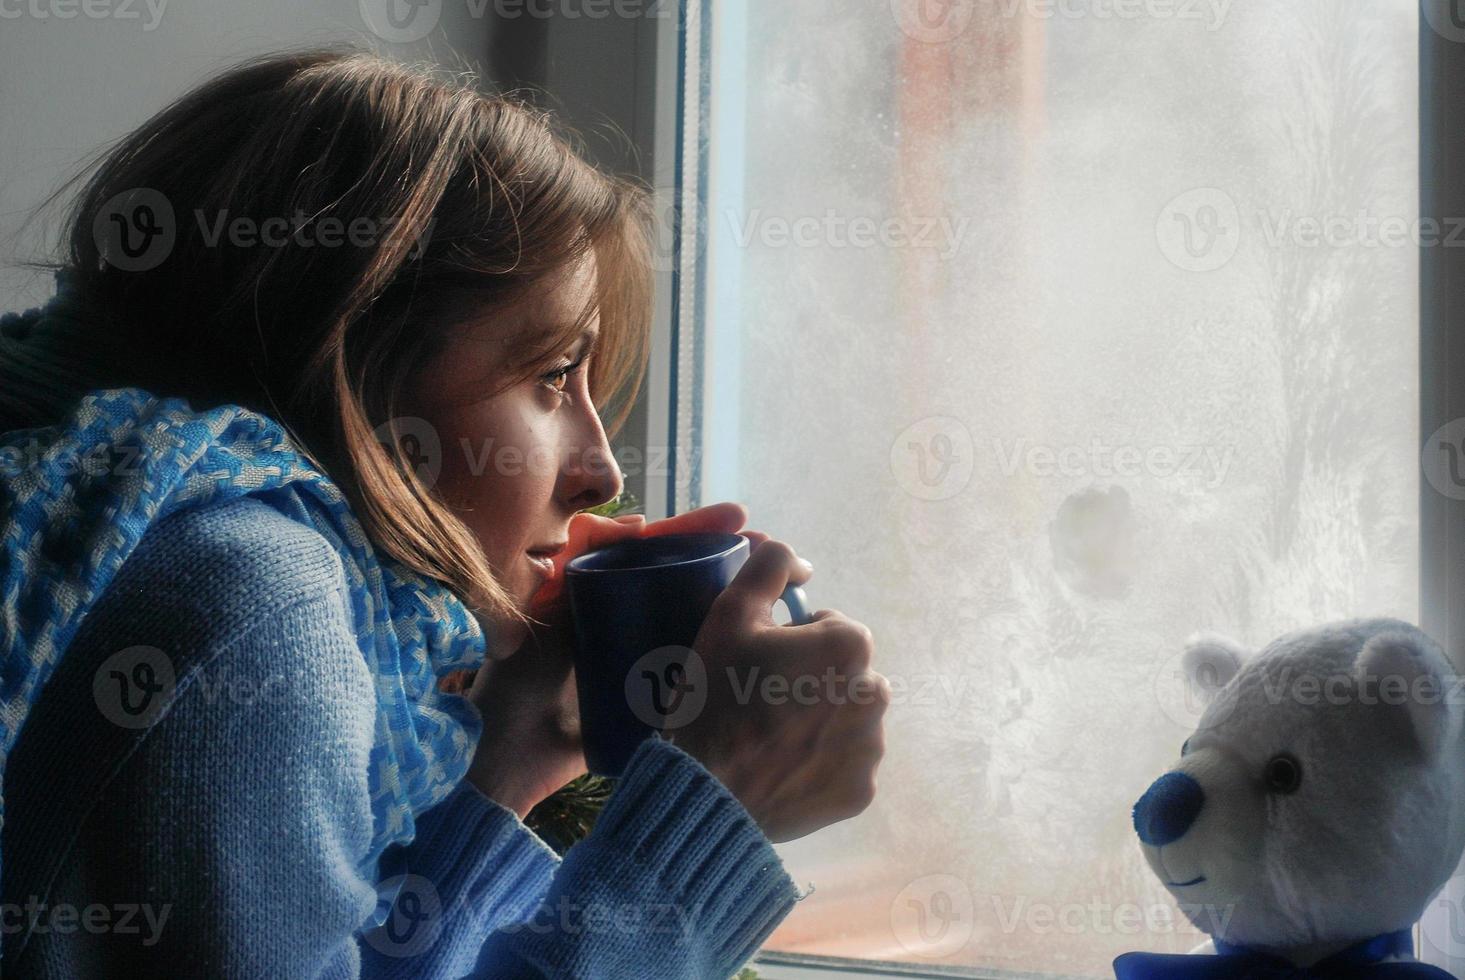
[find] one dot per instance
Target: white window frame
(1442, 384)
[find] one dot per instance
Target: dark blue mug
(637, 607)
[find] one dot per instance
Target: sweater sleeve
(675, 881)
(232, 826)
(472, 866)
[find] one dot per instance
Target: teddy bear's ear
(1210, 661)
(1407, 675)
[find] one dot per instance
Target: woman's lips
(542, 557)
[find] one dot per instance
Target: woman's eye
(556, 379)
(1284, 774)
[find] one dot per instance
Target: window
(1050, 331)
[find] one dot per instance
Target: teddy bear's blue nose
(1168, 808)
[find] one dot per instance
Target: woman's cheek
(498, 448)
(536, 440)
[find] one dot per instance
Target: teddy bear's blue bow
(1359, 962)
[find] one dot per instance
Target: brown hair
(470, 201)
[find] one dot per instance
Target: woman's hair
(444, 204)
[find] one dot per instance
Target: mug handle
(798, 604)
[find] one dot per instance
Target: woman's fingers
(590, 531)
(772, 567)
(724, 518)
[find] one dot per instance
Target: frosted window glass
(1051, 336)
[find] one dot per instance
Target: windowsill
(795, 966)
(798, 966)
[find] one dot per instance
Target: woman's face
(518, 465)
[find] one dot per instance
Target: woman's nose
(1168, 808)
(591, 477)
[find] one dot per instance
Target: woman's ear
(1210, 662)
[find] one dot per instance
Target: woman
(347, 246)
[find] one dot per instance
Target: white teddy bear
(1316, 810)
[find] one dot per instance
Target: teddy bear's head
(1321, 798)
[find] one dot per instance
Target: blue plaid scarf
(76, 498)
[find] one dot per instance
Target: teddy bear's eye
(1284, 774)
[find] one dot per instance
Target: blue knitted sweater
(223, 839)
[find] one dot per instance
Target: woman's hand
(804, 759)
(531, 717)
